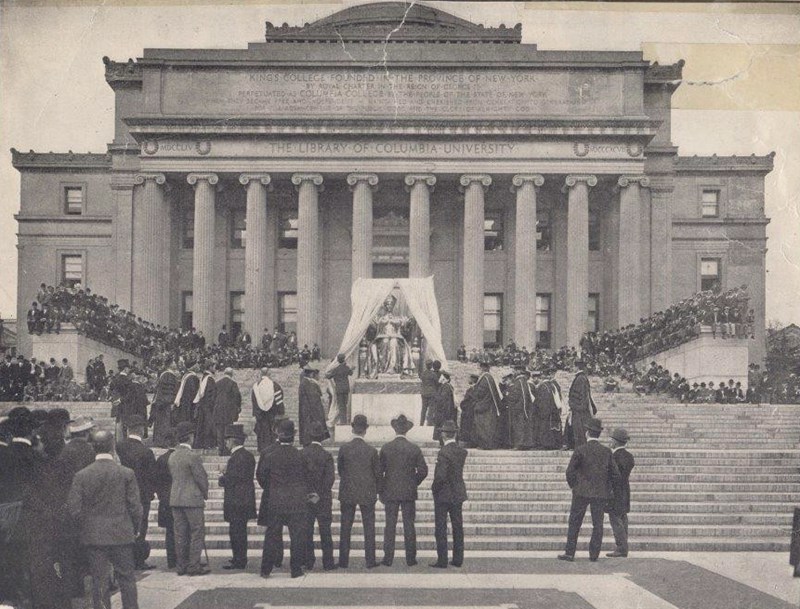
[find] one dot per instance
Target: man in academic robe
(160, 410)
(581, 406)
(519, 403)
(430, 386)
(486, 399)
(547, 416)
(204, 401)
(619, 506)
(467, 420)
(444, 405)
(267, 399)
(184, 399)
(449, 495)
(227, 406)
(311, 408)
(321, 476)
(239, 499)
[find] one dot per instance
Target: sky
(740, 95)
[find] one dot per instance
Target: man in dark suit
(319, 463)
(341, 381)
(590, 475)
(227, 406)
(135, 455)
(187, 496)
(404, 469)
(283, 475)
(449, 493)
(360, 477)
(620, 505)
(104, 500)
(239, 500)
(162, 483)
(430, 386)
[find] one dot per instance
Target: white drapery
(366, 299)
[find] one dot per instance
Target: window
(237, 313)
(710, 203)
(73, 200)
(187, 309)
(710, 273)
(71, 270)
(492, 320)
(593, 321)
(287, 311)
(594, 230)
(187, 227)
(543, 321)
(288, 234)
(544, 230)
(238, 228)
(493, 234)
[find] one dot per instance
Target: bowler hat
(235, 430)
(401, 424)
(318, 431)
(137, 420)
(473, 378)
(58, 416)
(183, 430)
(81, 424)
(359, 422)
(594, 424)
(448, 427)
(620, 435)
(286, 430)
(485, 365)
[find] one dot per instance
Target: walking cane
(205, 550)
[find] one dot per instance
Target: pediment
(393, 22)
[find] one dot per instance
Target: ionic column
(629, 286)
(525, 259)
(203, 269)
(308, 186)
(419, 254)
(473, 186)
(257, 256)
(577, 255)
(362, 184)
(660, 243)
(149, 248)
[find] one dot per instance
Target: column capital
(484, 179)
(354, 178)
(626, 180)
(194, 178)
(141, 178)
(314, 178)
(521, 178)
(426, 178)
(573, 179)
(246, 178)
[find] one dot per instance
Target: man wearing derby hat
(590, 475)
(449, 493)
(360, 479)
(404, 469)
(319, 463)
(187, 497)
(283, 474)
(239, 499)
(620, 505)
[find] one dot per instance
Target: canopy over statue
(388, 318)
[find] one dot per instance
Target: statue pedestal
(381, 400)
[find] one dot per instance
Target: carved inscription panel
(393, 93)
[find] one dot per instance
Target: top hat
(620, 435)
(318, 432)
(359, 422)
(286, 430)
(484, 365)
(58, 416)
(136, 420)
(594, 424)
(183, 430)
(235, 430)
(448, 427)
(309, 369)
(81, 424)
(401, 424)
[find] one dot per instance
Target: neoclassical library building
(540, 188)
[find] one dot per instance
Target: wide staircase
(707, 478)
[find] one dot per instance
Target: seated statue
(389, 350)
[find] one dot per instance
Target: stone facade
(503, 170)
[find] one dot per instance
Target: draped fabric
(264, 393)
(366, 299)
